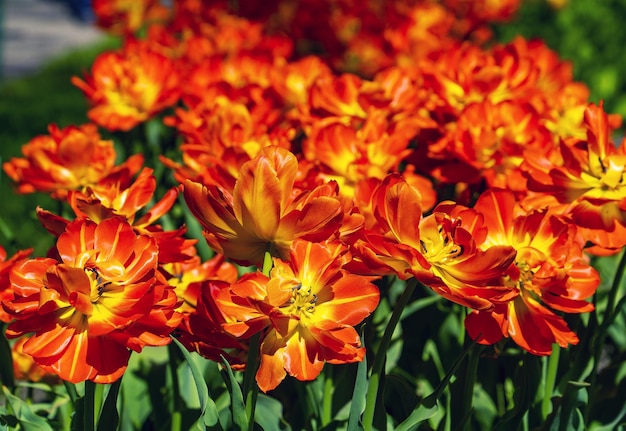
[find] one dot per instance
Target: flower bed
(321, 215)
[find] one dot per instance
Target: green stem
(379, 360)
(71, 391)
(6, 360)
(98, 401)
(327, 401)
(468, 389)
(267, 263)
(500, 399)
(607, 320)
(609, 313)
(177, 418)
(553, 365)
(89, 415)
(250, 388)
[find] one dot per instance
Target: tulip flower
(87, 310)
(307, 308)
(550, 274)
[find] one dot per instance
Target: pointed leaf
(237, 404)
(109, 417)
(527, 384)
(26, 418)
(269, 414)
(359, 395)
(419, 415)
(6, 361)
(209, 416)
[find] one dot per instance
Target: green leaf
(574, 422)
(141, 379)
(527, 385)
(433, 398)
(429, 406)
(78, 418)
(613, 424)
(237, 404)
(209, 416)
(109, 417)
(6, 361)
(419, 415)
(359, 394)
(484, 407)
(420, 304)
(269, 414)
(25, 417)
(570, 417)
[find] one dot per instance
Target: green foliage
(17, 413)
(209, 416)
(589, 34)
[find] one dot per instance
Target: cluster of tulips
(325, 149)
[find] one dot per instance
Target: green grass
(27, 106)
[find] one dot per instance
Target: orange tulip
(188, 276)
(443, 250)
(128, 87)
(24, 368)
(307, 308)
(200, 330)
(488, 142)
(350, 154)
(465, 269)
(220, 135)
(67, 159)
(122, 196)
(587, 182)
(264, 211)
(102, 297)
(549, 273)
(6, 290)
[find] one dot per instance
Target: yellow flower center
(302, 302)
(85, 294)
(523, 281)
(613, 175)
(98, 285)
(441, 247)
(605, 178)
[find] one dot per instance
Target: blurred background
(42, 44)
(590, 34)
(36, 31)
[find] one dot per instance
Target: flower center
(441, 247)
(302, 302)
(521, 278)
(99, 286)
(526, 274)
(613, 175)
